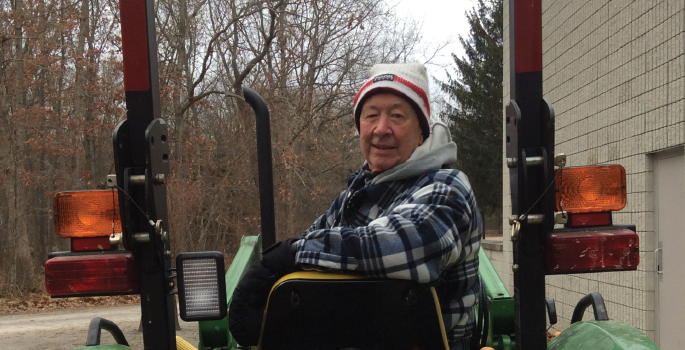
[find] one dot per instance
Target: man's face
(389, 131)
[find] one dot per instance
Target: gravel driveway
(67, 329)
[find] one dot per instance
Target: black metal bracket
(95, 330)
(551, 311)
(142, 206)
(530, 130)
(122, 164)
(512, 120)
(157, 171)
(595, 299)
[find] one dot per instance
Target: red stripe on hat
(356, 97)
(419, 91)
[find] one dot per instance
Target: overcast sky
(441, 21)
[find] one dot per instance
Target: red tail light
(90, 244)
(609, 249)
(590, 219)
(103, 274)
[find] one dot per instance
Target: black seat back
(310, 310)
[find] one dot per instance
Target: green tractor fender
(601, 335)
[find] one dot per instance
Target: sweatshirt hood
(437, 150)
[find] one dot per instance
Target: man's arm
(416, 241)
(327, 218)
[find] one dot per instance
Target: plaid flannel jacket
(426, 229)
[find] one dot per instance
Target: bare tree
(61, 93)
(57, 116)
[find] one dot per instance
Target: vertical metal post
(529, 132)
(264, 166)
(140, 148)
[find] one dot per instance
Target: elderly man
(404, 215)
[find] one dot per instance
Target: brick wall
(615, 74)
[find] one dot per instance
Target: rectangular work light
(201, 286)
(94, 274)
(86, 213)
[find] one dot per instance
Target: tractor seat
(315, 310)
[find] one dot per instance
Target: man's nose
(383, 126)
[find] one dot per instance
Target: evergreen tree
(475, 117)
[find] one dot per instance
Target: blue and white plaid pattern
(426, 229)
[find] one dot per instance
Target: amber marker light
(86, 213)
(591, 189)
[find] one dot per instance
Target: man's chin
(382, 166)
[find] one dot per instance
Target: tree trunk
(82, 99)
(181, 97)
(19, 269)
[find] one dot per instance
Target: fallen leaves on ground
(550, 336)
(36, 302)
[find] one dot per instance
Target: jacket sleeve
(325, 220)
(430, 231)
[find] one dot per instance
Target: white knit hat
(409, 80)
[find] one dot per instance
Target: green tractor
(121, 244)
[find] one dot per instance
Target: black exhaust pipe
(264, 165)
